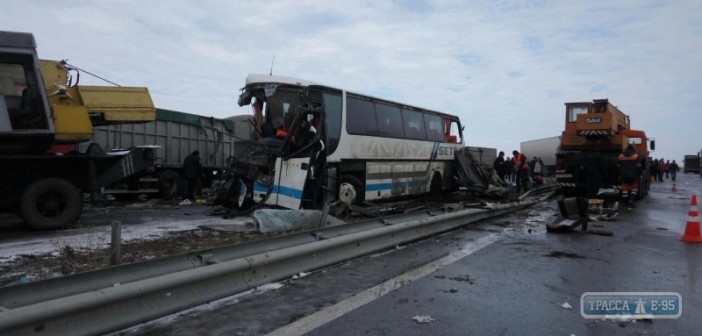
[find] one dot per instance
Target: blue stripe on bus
(277, 189)
(389, 186)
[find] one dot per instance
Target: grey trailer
(176, 135)
(545, 148)
(691, 164)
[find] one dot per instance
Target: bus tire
(351, 190)
(50, 203)
(168, 184)
(435, 185)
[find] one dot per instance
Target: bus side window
(360, 117)
(452, 131)
(332, 120)
(414, 124)
(389, 120)
(455, 133)
(434, 127)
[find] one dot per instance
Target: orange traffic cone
(692, 229)
(675, 189)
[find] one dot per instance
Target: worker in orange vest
(281, 131)
(628, 172)
(522, 165)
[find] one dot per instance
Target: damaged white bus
(317, 144)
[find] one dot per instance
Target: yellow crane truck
(41, 108)
(587, 162)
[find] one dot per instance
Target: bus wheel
(168, 183)
(351, 190)
(51, 203)
(435, 186)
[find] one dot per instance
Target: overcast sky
(504, 67)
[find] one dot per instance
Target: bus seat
(433, 135)
(412, 132)
(452, 138)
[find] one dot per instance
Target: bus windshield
(281, 103)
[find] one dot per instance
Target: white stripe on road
(326, 315)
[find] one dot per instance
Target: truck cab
(594, 135)
(40, 108)
(25, 119)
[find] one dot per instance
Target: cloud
(505, 67)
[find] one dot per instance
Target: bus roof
(257, 78)
(252, 79)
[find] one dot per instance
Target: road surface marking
(328, 314)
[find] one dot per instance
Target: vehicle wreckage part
(85, 308)
(274, 220)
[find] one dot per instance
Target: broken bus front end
(287, 153)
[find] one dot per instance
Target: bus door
(314, 134)
(292, 176)
(294, 169)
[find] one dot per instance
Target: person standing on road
(192, 171)
(499, 166)
(654, 170)
(673, 169)
(522, 167)
(628, 172)
(662, 169)
(538, 177)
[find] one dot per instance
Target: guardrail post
(116, 245)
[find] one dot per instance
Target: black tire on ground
(435, 185)
(168, 184)
(351, 190)
(50, 203)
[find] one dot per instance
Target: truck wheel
(51, 203)
(168, 184)
(351, 190)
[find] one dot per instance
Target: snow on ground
(100, 237)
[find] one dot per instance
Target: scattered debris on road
(423, 318)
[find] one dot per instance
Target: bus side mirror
(653, 145)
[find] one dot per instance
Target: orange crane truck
(40, 108)
(587, 162)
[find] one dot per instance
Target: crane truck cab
(39, 107)
(25, 119)
(594, 135)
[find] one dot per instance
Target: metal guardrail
(87, 304)
(45, 290)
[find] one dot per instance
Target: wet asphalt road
(517, 284)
